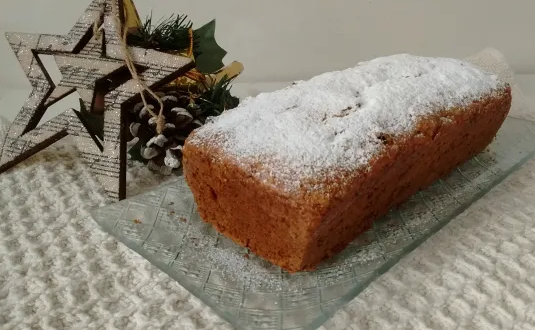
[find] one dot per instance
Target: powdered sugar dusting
(333, 120)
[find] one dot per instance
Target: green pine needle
(217, 98)
(170, 34)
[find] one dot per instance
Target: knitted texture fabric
(59, 270)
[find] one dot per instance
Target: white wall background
(293, 39)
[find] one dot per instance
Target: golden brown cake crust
(438, 145)
(297, 174)
(298, 233)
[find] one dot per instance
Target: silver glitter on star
(93, 67)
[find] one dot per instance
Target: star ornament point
(94, 67)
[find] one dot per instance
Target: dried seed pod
(182, 117)
(144, 112)
(130, 144)
(171, 159)
(177, 148)
(149, 153)
(173, 93)
(169, 129)
(194, 109)
(134, 129)
(169, 101)
(138, 107)
(158, 140)
(153, 122)
(196, 124)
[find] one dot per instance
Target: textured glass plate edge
(351, 294)
(181, 280)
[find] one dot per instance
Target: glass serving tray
(163, 227)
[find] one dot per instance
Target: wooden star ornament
(93, 65)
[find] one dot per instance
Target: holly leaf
(209, 55)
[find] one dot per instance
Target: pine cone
(163, 150)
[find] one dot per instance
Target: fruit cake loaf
(295, 175)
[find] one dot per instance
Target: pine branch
(217, 98)
(170, 34)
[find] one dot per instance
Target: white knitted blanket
(59, 270)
